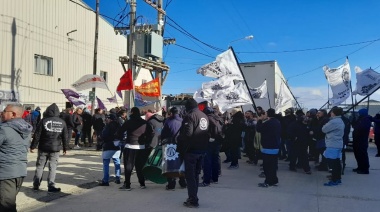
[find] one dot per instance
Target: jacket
(98, 122)
(299, 132)
(135, 128)
(334, 130)
(14, 142)
(193, 136)
(156, 123)
(171, 126)
(215, 127)
(51, 133)
(109, 134)
(68, 118)
(361, 129)
(270, 133)
(78, 122)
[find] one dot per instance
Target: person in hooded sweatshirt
(360, 141)
(15, 135)
(50, 137)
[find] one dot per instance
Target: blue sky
(277, 26)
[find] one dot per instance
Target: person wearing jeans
(111, 149)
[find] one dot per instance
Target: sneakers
(143, 187)
(36, 188)
(226, 161)
(266, 185)
(125, 188)
(331, 183)
(169, 189)
(190, 205)
(233, 167)
(251, 162)
(203, 184)
(76, 147)
(308, 172)
(103, 184)
(362, 172)
(54, 189)
(117, 181)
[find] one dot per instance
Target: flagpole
(270, 106)
(246, 84)
(95, 51)
(352, 97)
(357, 103)
(324, 104)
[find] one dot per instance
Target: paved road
(237, 190)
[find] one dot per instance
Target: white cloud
(310, 97)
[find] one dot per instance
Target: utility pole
(95, 52)
(131, 51)
(160, 23)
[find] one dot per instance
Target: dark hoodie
(156, 122)
(51, 132)
(14, 142)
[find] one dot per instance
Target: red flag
(151, 88)
(126, 82)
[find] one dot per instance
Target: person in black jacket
(360, 141)
(68, 118)
(86, 130)
(98, 123)
(111, 149)
(50, 136)
(270, 129)
(78, 125)
(233, 132)
(192, 144)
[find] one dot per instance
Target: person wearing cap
(111, 149)
(360, 141)
(334, 130)
(270, 129)
(192, 144)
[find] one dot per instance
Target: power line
(193, 50)
(313, 49)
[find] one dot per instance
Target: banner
(260, 92)
(76, 101)
(339, 80)
(284, 98)
(210, 88)
(90, 81)
(126, 82)
(232, 97)
(69, 92)
(140, 102)
(73, 97)
(100, 104)
(367, 81)
(151, 88)
(199, 96)
(224, 65)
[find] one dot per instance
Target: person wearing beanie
(192, 144)
(334, 130)
(270, 129)
(360, 141)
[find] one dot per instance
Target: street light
(249, 37)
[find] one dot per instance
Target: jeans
(135, 158)
(106, 169)
(8, 191)
(77, 136)
(300, 153)
(86, 133)
(211, 163)
(361, 155)
(193, 163)
(42, 159)
(336, 167)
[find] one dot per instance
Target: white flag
(260, 92)
(339, 80)
(90, 81)
(199, 96)
(284, 98)
(210, 88)
(367, 81)
(232, 97)
(224, 65)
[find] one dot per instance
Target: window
(43, 65)
(104, 75)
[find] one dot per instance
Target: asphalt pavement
(237, 190)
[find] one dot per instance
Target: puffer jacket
(334, 130)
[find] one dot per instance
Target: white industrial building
(48, 45)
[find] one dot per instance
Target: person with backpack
(111, 149)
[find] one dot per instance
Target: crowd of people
(124, 135)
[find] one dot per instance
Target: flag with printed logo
(339, 80)
(260, 92)
(232, 97)
(367, 81)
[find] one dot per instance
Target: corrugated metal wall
(41, 28)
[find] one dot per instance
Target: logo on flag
(339, 81)
(260, 92)
(367, 81)
(90, 81)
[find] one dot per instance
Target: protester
(171, 127)
(50, 136)
(98, 123)
(68, 118)
(360, 141)
(78, 125)
(376, 131)
(122, 116)
(211, 160)
(270, 129)
(287, 120)
(192, 144)
(15, 135)
(134, 152)
(334, 130)
(86, 129)
(111, 149)
(319, 137)
(233, 135)
(249, 136)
